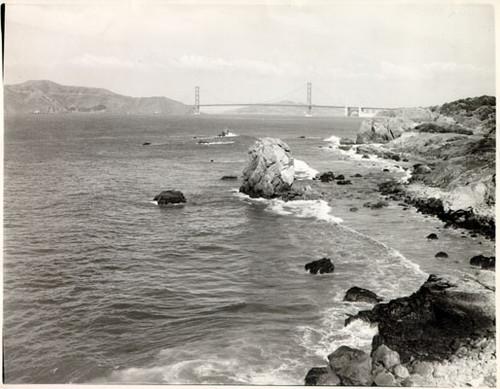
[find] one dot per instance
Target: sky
(382, 54)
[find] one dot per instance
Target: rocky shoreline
(443, 334)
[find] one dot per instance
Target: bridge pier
(196, 100)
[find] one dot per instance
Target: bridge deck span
(284, 105)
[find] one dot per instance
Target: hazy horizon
(370, 54)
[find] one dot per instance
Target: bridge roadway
(283, 105)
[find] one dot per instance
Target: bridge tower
(309, 99)
(196, 100)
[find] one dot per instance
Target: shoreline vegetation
(444, 333)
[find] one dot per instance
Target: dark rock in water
(344, 182)
(302, 137)
(170, 197)
(376, 205)
(146, 144)
(360, 294)
(229, 178)
(323, 265)
(358, 175)
(385, 170)
(340, 177)
(270, 170)
(423, 325)
(485, 262)
(391, 187)
(432, 236)
(326, 177)
(441, 254)
(365, 156)
(353, 209)
(352, 366)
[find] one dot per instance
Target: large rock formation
(431, 324)
(270, 170)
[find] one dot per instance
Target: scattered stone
(421, 169)
(352, 366)
(423, 368)
(484, 262)
(270, 170)
(146, 143)
(360, 294)
(170, 197)
(401, 372)
(385, 170)
(302, 137)
(386, 357)
(344, 182)
(358, 175)
(326, 177)
(323, 265)
(353, 209)
(229, 178)
(384, 379)
(340, 177)
(441, 254)
(365, 156)
(432, 236)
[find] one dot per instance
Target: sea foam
(307, 209)
(303, 171)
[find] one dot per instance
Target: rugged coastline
(443, 334)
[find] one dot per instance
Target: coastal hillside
(49, 97)
(454, 145)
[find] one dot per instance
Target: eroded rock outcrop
(444, 314)
(270, 171)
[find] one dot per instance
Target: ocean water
(103, 286)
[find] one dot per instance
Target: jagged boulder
(352, 366)
(270, 170)
(170, 197)
(360, 294)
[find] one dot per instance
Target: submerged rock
(229, 178)
(270, 170)
(323, 265)
(441, 254)
(432, 236)
(170, 197)
(360, 294)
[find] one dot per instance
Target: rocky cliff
(50, 97)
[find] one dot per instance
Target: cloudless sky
(370, 53)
